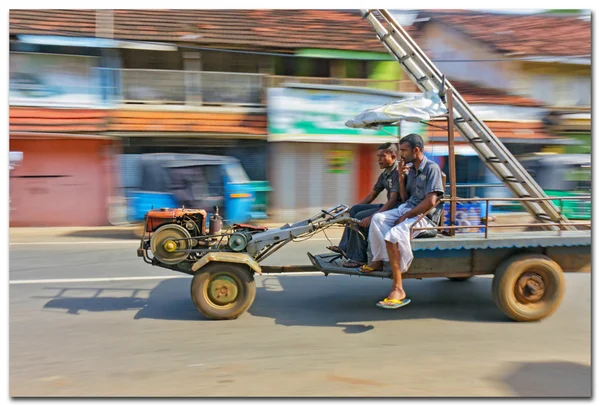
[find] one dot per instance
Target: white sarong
(382, 229)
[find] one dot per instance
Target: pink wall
(61, 182)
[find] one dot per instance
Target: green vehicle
(563, 175)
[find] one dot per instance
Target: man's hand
(401, 219)
(403, 169)
(366, 222)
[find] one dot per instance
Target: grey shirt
(425, 180)
(388, 180)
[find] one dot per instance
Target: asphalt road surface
(89, 318)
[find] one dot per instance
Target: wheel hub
(530, 288)
(223, 290)
(170, 246)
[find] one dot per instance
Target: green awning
(340, 54)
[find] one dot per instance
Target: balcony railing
(192, 88)
(219, 88)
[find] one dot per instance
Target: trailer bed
(504, 240)
(466, 255)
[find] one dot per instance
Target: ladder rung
(512, 179)
(405, 57)
(387, 35)
(477, 140)
(423, 79)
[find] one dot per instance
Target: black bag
(433, 220)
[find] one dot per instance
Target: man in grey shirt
(421, 187)
(352, 245)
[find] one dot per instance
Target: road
(88, 318)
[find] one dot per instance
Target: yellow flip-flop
(393, 303)
(367, 269)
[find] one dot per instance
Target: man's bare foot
(396, 294)
(372, 267)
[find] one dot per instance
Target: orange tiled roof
(32, 119)
(251, 29)
(526, 35)
(38, 119)
(193, 122)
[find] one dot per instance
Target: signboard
(48, 79)
(467, 214)
(338, 161)
(317, 115)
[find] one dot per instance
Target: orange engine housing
(159, 217)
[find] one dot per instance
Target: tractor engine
(177, 235)
(172, 231)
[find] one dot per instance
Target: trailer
(527, 266)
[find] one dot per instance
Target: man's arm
(434, 188)
(369, 198)
(423, 207)
(389, 205)
(402, 173)
(391, 202)
(377, 189)
(394, 192)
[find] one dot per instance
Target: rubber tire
(245, 284)
(460, 278)
(506, 276)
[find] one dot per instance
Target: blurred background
(112, 112)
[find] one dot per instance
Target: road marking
(78, 280)
(134, 278)
(114, 242)
(76, 242)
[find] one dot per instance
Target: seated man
(352, 245)
(420, 187)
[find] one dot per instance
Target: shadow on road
(550, 379)
(336, 301)
(169, 300)
(76, 300)
(350, 303)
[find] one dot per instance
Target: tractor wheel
(223, 290)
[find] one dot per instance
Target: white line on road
(78, 280)
(135, 278)
(76, 242)
(108, 242)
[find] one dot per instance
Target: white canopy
(424, 107)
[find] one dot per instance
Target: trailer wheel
(528, 287)
(223, 290)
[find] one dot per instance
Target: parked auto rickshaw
(193, 180)
(563, 175)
